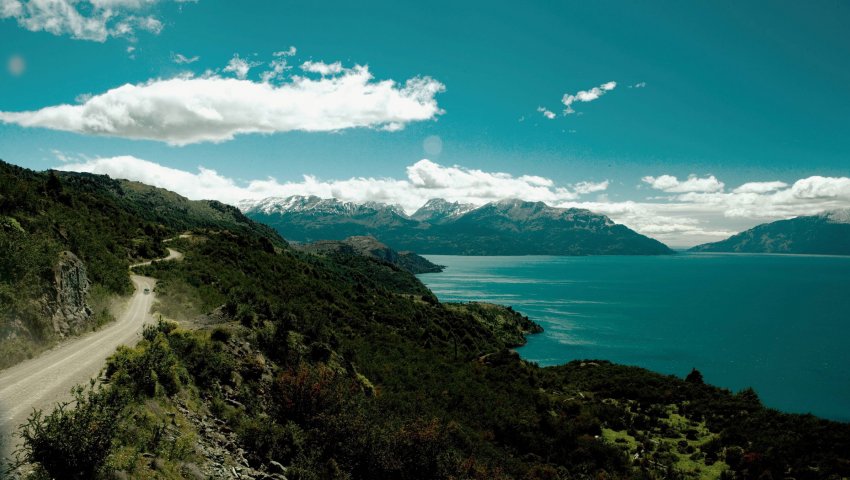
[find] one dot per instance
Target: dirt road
(43, 381)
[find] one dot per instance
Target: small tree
(695, 377)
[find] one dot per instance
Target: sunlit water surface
(780, 324)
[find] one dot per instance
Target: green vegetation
(508, 326)
(369, 246)
(344, 367)
(825, 234)
(106, 223)
(323, 368)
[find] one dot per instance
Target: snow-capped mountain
(506, 227)
(314, 204)
(437, 210)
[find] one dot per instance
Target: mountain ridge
(505, 227)
(826, 233)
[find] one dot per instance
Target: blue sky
(742, 92)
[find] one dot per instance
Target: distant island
(827, 233)
(507, 227)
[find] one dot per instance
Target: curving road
(41, 382)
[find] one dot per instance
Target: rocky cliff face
(65, 303)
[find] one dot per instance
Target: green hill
(301, 366)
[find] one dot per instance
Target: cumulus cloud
(424, 180)
(240, 66)
(760, 187)
(322, 68)
(546, 113)
(822, 187)
(186, 109)
(679, 219)
(586, 96)
(700, 211)
(94, 20)
(671, 184)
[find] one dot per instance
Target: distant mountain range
(824, 234)
(507, 227)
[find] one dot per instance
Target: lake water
(777, 323)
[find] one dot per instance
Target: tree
(695, 377)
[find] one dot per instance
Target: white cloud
(278, 66)
(10, 8)
(289, 52)
(181, 59)
(760, 187)
(822, 187)
(95, 20)
(322, 68)
(425, 180)
(679, 219)
(590, 187)
(671, 184)
(186, 110)
(546, 113)
(586, 96)
(240, 67)
(638, 85)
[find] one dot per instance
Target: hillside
(66, 241)
(825, 234)
(369, 246)
(308, 368)
(508, 227)
(300, 366)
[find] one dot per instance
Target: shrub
(73, 442)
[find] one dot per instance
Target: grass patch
(676, 440)
(620, 438)
(177, 300)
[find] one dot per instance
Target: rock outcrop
(65, 304)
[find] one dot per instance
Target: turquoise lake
(777, 323)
